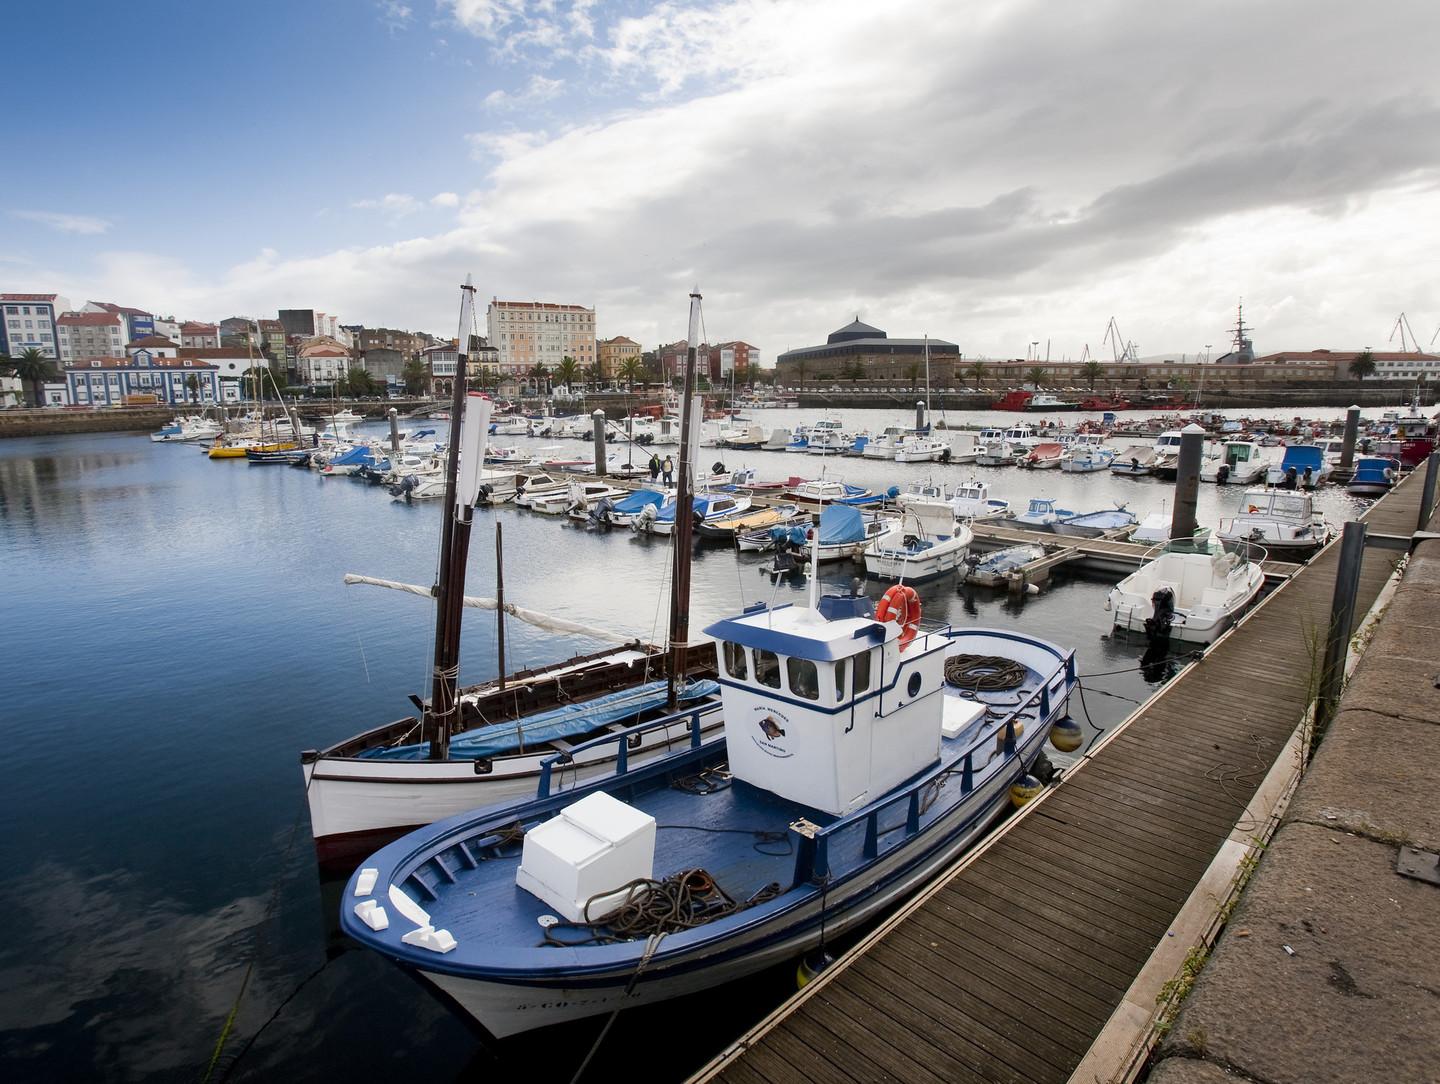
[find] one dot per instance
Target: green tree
(1036, 375)
(1363, 365)
(416, 375)
(358, 381)
(568, 372)
(1093, 371)
(631, 369)
(596, 375)
(35, 369)
(192, 385)
(978, 372)
(539, 377)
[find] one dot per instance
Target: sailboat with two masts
(472, 746)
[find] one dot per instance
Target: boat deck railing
(623, 739)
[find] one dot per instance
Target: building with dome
(859, 351)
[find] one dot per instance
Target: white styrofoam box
(365, 883)
(591, 847)
(959, 713)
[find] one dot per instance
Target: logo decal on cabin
(772, 726)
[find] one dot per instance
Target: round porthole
(913, 686)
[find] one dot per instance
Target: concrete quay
(1329, 967)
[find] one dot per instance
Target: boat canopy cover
(840, 524)
(1301, 456)
(361, 453)
(568, 721)
(640, 499)
(667, 510)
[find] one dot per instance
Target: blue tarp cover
(563, 722)
(840, 523)
(1301, 456)
(641, 498)
(667, 510)
(359, 454)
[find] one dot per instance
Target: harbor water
(176, 630)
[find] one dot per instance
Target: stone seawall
(44, 423)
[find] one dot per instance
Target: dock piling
(1342, 619)
(394, 416)
(1187, 483)
(919, 415)
(1427, 495)
(1347, 449)
(598, 420)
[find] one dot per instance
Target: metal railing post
(1427, 495)
(1342, 619)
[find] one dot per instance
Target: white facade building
(28, 321)
(530, 333)
(91, 335)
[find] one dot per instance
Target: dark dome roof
(855, 330)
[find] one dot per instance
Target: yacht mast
(450, 587)
(684, 517)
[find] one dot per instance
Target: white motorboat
(1136, 462)
(1239, 462)
(1022, 438)
(921, 448)
(829, 437)
(931, 543)
(1044, 456)
(1042, 513)
(972, 501)
(883, 446)
(1156, 527)
(1191, 595)
(1284, 522)
(1303, 466)
(577, 496)
(1084, 458)
(997, 454)
(1167, 454)
(745, 436)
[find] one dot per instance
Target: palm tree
(1093, 371)
(35, 369)
(192, 385)
(568, 371)
(1362, 366)
(979, 371)
(596, 375)
(538, 377)
(1036, 375)
(630, 369)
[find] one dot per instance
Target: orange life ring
(903, 605)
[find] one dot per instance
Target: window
(767, 668)
(840, 668)
(734, 660)
(862, 672)
(804, 681)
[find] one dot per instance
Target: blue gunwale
(901, 848)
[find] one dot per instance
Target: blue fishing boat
(1374, 476)
(707, 507)
(863, 751)
(622, 512)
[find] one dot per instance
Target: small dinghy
(991, 569)
(1094, 524)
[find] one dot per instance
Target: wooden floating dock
(1104, 554)
(1009, 966)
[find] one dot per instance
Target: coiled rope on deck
(649, 906)
(984, 673)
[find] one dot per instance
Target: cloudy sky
(991, 172)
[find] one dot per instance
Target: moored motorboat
(1042, 513)
(1303, 466)
(1085, 458)
(1374, 476)
(1240, 462)
(1285, 523)
(1044, 456)
(992, 569)
(1135, 462)
(1094, 524)
(931, 543)
(1186, 593)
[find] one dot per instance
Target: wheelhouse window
(862, 673)
(767, 668)
(842, 667)
(804, 680)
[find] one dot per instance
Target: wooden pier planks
(1008, 971)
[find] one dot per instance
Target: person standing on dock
(654, 466)
(669, 468)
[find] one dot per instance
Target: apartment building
(530, 333)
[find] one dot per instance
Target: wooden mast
(684, 518)
(441, 715)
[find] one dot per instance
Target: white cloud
(65, 223)
(982, 172)
(445, 199)
(396, 204)
(538, 90)
(394, 15)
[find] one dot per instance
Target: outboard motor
(1222, 473)
(600, 514)
(1309, 480)
(1162, 615)
(1289, 482)
(641, 523)
(718, 467)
